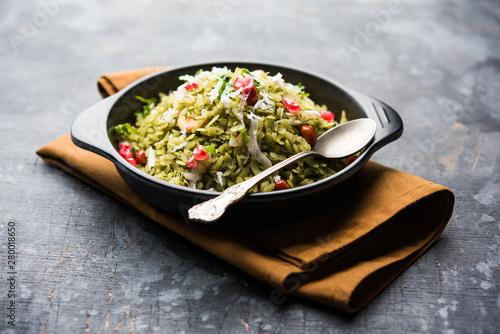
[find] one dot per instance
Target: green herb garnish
(223, 85)
(244, 134)
(125, 129)
(190, 110)
(210, 149)
(146, 108)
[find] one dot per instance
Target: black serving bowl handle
(90, 131)
(389, 123)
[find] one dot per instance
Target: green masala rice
(241, 137)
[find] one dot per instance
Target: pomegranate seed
(125, 145)
(238, 83)
(252, 96)
(200, 153)
(291, 105)
(191, 86)
(327, 115)
(309, 135)
(126, 153)
(192, 162)
(140, 157)
(241, 82)
(281, 185)
(132, 161)
(249, 92)
(350, 160)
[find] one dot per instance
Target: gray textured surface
(86, 263)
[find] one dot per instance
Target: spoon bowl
(346, 139)
(339, 142)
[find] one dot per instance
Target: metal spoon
(339, 142)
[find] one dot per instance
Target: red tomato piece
(281, 185)
(291, 105)
(309, 135)
(327, 115)
(140, 157)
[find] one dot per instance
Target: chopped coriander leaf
(125, 129)
(147, 101)
(244, 134)
(148, 105)
(229, 87)
(210, 149)
(189, 110)
(223, 85)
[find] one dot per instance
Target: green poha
(221, 127)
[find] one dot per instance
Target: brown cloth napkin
(341, 255)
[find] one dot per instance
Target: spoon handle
(211, 210)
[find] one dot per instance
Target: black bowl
(93, 130)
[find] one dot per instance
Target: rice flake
(178, 147)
